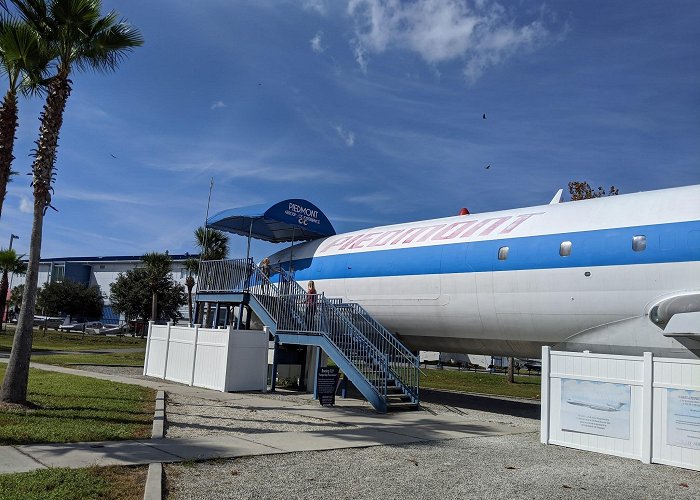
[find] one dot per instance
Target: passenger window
(639, 243)
(503, 253)
(565, 248)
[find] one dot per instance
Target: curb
(159, 417)
(154, 480)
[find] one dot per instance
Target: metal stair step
(403, 406)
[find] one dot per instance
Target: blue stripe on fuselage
(676, 242)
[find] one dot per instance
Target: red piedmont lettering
(489, 230)
(408, 231)
(363, 239)
(384, 238)
(519, 220)
(430, 233)
(440, 235)
(351, 241)
(336, 243)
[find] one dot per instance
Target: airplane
(613, 275)
(596, 406)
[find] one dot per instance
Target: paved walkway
(365, 428)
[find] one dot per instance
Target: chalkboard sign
(326, 383)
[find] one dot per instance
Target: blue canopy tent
(288, 220)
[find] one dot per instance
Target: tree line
(147, 292)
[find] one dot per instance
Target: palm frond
(109, 47)
(23, 55)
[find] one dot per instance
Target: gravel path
(513, 466)
(194, 417)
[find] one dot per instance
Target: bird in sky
(110, 154)
(487, 167)
(483, 116)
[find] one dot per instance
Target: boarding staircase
(375, 361)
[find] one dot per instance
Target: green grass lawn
(483, 383)
(60, 341)
(103, 483)
(71, 408)
(111, 359)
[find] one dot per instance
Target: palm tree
(158, 267)
(212, 243)
(10, 262)
(192, 267)
(23, 59)
(78, 38)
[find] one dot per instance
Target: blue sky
(370, 109)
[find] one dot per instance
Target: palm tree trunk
(154, 306)
(509, 375)
(189, 303)
(4, 285)
(14, 386)
(8, 126)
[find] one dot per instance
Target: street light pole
(13, 237)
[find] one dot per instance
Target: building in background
(100, 271)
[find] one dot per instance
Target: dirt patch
(126, 482)
(4, 405)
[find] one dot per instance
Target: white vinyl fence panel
(180, 354)
(220, 359)
(212, 354)
(623, 405)
(678, 375)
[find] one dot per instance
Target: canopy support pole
(291, 255)
(250, 235)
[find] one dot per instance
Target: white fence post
(647, 407)
(167, 347)
(194, 354)
(229, 332)
(148, 347)
(545, 395)
(266, 332)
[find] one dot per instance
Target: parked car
(79, 327)
(48, 321)
(107, 330)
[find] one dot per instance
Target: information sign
(326, 384)
(600, 408)
(683, 418)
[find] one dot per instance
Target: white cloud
(316, 5)
(346, 135)
(360, 56)
(218, 105)
(370, 198)
(482, 33)
(104, 197)
(317, 43)
(25, 206)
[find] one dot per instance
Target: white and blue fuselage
(578, 275)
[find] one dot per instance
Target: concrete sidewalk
(76, 455)
(364, 429)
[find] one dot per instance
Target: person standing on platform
(311, 300)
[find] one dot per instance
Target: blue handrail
(363, 342)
